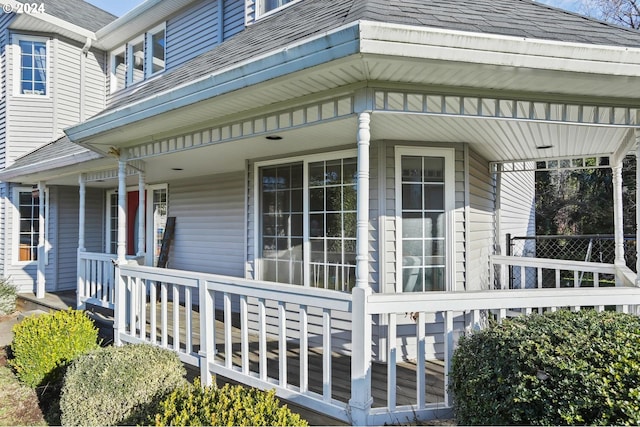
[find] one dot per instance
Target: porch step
(24, 314)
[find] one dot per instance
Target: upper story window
(266, 6)
(138, 59)
(32, 66)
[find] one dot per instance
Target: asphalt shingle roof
(53, 150)
(78, 12)
(519, 18)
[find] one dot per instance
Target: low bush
(562, 368)
(193, 405)
(44, 345)
(119, 385)
(7, 297)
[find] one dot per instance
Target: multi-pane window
(159, 211)
(29, 229)
(269, 5)
(332, 223)
(139, 59)
(423, 223)
(33, 67)
(113, 223)
(282, 223)
(309, 204)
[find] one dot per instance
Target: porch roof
(314, 46)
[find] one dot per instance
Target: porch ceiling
(494, 139)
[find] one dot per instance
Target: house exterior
(341, 174)
(52, 77)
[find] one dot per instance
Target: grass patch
(18, 402)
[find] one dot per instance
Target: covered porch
(403, 171)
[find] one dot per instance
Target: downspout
(40, 275)
(83, 64)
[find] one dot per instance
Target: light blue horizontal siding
(193, 32)
(233, 17)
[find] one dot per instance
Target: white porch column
(40, 278)
(617, 214)
(142, 214)
(80, 291)
(361, 400)
(122, 211)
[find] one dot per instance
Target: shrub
(44, 345)
(561, 368)
(119, 385)
(7, 297)
(193, 405)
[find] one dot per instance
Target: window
(32, 66)
(424, 204)
(118, 70)
(269, 5)
(156, 43)
(159, 215)
(29, 225)
(138, 59)
(307, 223)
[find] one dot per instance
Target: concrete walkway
(6, 326)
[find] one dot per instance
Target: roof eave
(24, 20)
(47, 166)
(129, 25)
(332, 45)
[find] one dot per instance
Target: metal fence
(591, 248)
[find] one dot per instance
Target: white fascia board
(332, 45)
(136, 21)
(489, 49)
(48, 165)
(82, 33)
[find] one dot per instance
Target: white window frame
(260, 3)
(129, 59)
(449, 205)
(16, 226)
(151, 226)
(17, 66)
(257, 229)
(113, 82)
(148, 50)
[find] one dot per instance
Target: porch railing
(96, 273)
(290, 338)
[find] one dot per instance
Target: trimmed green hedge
(44, 345)
(561, 368)
(119, 385)
(193, 405)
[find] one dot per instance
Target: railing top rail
(98, 256)
(574, 237)
(252, 288)
(433, 302)
(550, 263)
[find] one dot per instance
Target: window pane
(434, 197)
(412, 224)
(334, 172)
(118, 70)
(137, 61)
(411, 196)
(157, 51)
(412, 169)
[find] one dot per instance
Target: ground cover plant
(193, 405)
(8, 297)
(560, 368)
(119, 385)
